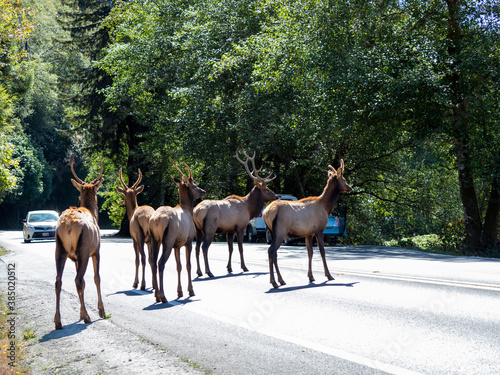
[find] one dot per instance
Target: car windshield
(39, 217)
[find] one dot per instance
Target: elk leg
(166, 251)
(239, 238)
(199, 239)
(61, 257)
(81, 267)
(177, 251)
(309, 246)
(230, 240)
(207, 240)
(137, 263)
(153, 262)
(321, 245)
(280, 279)
(143, 265)
(273, 261)
(189, 248)
(97, 280)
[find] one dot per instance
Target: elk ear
(139, 189)
(176, 180)
(77, 185)
(120, 190)
(340, 171)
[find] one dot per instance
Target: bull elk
(78, 238)
(174, 228)
(307, 218)
(231, 215)
(139, 224)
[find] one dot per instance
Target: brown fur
(173, 228)
(78, 238)
(138, 224)
(230, 215)
(307, 218)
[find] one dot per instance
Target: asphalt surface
(388, 310)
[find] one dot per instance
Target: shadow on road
(173, 303)
(132, 292)
(282, 289)
(254, 274)
(68, 330)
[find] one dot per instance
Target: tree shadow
(283, 289)
(66, 331)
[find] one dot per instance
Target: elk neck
(131, 204)
(330, 195)
(254, 202)
(185, 199)
(88, 199)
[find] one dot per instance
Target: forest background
(405, 92)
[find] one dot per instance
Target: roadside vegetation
(406, 93)
(12, 352)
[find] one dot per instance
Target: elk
(174, 228)
(231, 215)
(139, 224)
(307, 218)
(78, 238)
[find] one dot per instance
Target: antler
(93, 181)
(255, 177)
(73, 170)
(134, 186)
(181, 172)
(100, 174)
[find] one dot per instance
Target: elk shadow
(133, 292)
(283, 289)
(173, 303)
(229, 275)
(68, 330)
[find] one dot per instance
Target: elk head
(338, 176)
(88, 190)
(260, 183)
(132, 192)
(188, 184)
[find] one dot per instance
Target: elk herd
(171, 228)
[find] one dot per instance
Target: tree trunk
(460, 131)
(489, 236)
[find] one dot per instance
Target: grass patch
(2, 251)
(194, 365)
(439, 244)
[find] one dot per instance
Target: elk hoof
(163, 300)
(87, 320)
(180, 294)
(59, 325)
(329, 277)
(191, 293)
(311, 279)
(102, 313)
(245, 269)
(199, 273)
(229, 270)
(143, 287)
(274, 284)
(135, 284)
(210, 274)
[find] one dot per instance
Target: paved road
(387, 311)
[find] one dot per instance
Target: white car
(40, 225)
